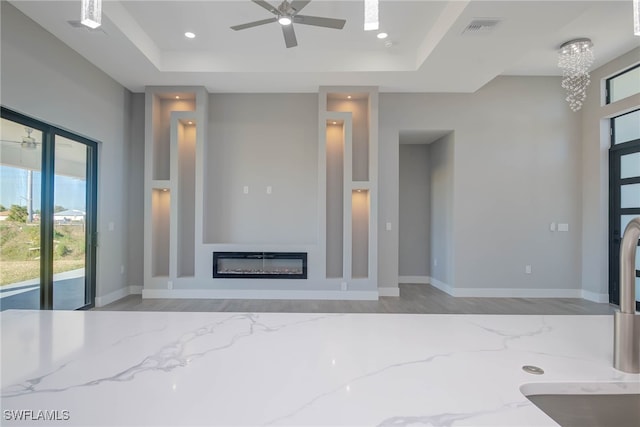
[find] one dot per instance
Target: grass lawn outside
(20, 250)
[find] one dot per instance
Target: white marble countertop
(182, 369)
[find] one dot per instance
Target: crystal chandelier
(371, 15)
(576, 56)
(91, 14)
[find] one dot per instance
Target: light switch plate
(563, 227)
(552, 226)
(388, 226)
(245, 189)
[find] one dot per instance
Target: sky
(69, 192)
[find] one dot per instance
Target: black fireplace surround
(259, 265)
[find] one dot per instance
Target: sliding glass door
(47, 217)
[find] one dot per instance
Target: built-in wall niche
(160, 221)
(360, 211)
(358, 105)
(164, 104)
(335, 146)
(186, 130)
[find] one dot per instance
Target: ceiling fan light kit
(286, 14)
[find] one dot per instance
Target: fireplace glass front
(260, 265)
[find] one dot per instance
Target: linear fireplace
(260, 265)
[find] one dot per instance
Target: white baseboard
(517, 293)
(389, 292)
(595, 297)
(259, 294)
(444, 287)
(111, 297)
(502, 292)
(116, 295)
(418, 280)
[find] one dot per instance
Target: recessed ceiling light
(349, 97)
(177, 97)
(190, 122)
(382, 35)
(335, 123)
(190, 35)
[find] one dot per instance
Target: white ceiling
(142, 43)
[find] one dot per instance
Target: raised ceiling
(142, 43)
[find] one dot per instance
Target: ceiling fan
(28, 142)
(286, 14)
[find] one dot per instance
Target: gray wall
(135, 194)
(414, 210)
(441, 167)
(45, 79)
(517, 169)
(258, 141)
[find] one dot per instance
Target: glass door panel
(69, 224)
(630, 166)
(20, 187)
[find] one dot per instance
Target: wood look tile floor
(414, 299)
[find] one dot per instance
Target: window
(625, 128)
(623, 85)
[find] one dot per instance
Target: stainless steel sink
(588, 404)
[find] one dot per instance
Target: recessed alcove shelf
(174, 130)
(350, 136)
(160, 240)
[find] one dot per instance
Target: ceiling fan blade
(298, 5)
(289, 36)
(266, 6)
(319, 21)
(254, 24)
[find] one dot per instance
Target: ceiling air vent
(481, 26)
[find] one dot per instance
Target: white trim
(444, 287)
(116, 295)
(517, 293)
(417, 280)
(260, 294)
(595, 297)
(389, 292)
(111, 297)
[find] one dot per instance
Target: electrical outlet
(527, 269)
(552, 226)
(269, 189)
(388, 226)
(169, 285)
(245, 189)
(343, 286)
